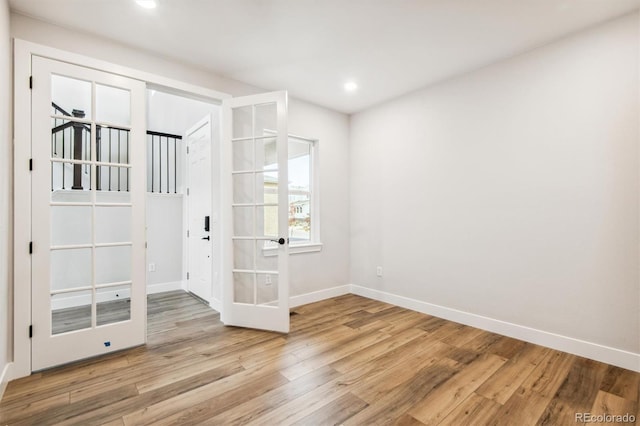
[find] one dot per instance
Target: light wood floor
(347, 360)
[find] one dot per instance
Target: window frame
(314, 244)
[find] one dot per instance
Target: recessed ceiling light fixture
(147, 4)
(350, 86)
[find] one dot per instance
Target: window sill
(294, 249)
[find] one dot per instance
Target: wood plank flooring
(347, 360)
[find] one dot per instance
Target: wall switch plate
(379, 271)
(267, 280)
(152, 267)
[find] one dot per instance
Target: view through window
(301, 200)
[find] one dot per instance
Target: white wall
(164, 240)
(309, 272)
(315, 271)
(511, 192)
(6, 190)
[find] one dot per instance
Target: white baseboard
(319, 295)
(613, 356)
(4, 378)
(162, 287)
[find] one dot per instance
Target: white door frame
(23, 52)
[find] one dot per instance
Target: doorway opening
(183, 199)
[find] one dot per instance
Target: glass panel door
(88, 213)
(256, 282)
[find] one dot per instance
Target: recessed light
(147, 4)
(350, 86)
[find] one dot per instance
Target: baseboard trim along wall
(316, 296)
(617, 357)
(162, 287)
(4, 379)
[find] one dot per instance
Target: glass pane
(113, 197)
(243, 288)
(299, 216)
(70, 268)
(113, 105)
(263, 262)
(70, 140)
(243, 221)
(113, 264)
(60, 196)
(113, 224)
(71, 97)
(299, 165)
(269, 225)
(267, 153)
(112, 145)
(242, 122)
(264, 181)
(299, 190)
(113, 304)
(70, 311)
(70, 177)
(113, 178)
(243, 188)
(243, 251)
(267, 289)
(266, 119)
(70, 225)
(270, 187)
(243, 155)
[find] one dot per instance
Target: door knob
(206, 238)
(279, 241)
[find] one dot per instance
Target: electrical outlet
(152, 267)
(379, 271)
(267, 280)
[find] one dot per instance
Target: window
(303, 196)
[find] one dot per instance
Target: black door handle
(206, 238)
(279, 241)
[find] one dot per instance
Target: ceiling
(312, 47)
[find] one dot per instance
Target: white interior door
(88, 223)
(255, 284)
(200, 220)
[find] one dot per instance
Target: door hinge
(30, 331)
(30, 82)
(30, 247)
(187, 233)
(187, 275)
(187, 191)
(187, 150)
(30, 164)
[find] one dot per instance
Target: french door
(255, 284)
(88, 224)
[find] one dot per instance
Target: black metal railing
(112, 146)
(71, 140)
(162, 155)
